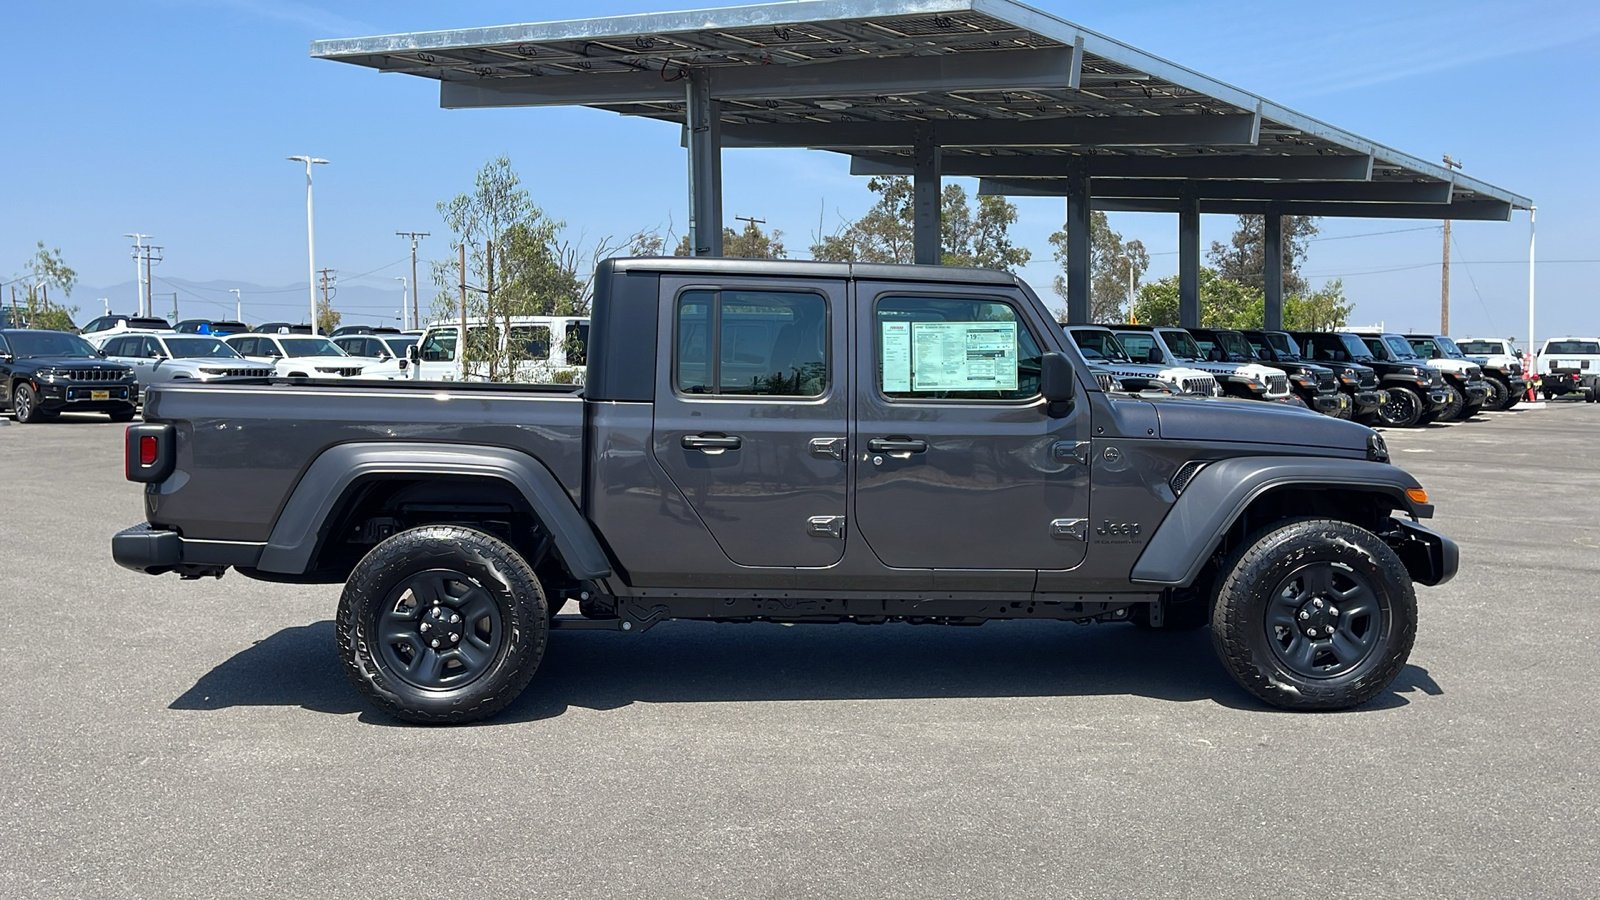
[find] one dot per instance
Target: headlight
(1302, 380)
(1350, 378)
(48, 373)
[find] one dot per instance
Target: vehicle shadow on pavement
(694, 662)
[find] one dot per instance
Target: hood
(76, 362)
(1255, 422)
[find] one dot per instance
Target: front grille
(1436, 378)
(1277, 384)
(341, 371)
(1204, 384)
(1369, 379)
(1327, 382)
(1108, 381)
(95, 374)
(238, 373)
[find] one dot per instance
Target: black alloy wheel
(24, 405)
(1403, 409)
(1314, 614)
(1499, 393)
(442, 624)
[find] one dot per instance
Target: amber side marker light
(1417, 494)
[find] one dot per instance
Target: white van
(535, 350)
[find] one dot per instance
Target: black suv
(43, 373)
(1315, 386)
(1416, 391)
(1358, 383)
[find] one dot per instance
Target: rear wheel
(442, 624)
(125, 415)
(25, 405)
(1403, 409)
(1314, 614)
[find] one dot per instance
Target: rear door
(957, 464)
(751, 414)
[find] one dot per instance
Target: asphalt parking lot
(198, 739)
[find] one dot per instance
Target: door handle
(712, 443)
(897, 445)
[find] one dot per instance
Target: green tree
(45, 270)
(1115, 269)
(885, 233)
(1322, 310)
(749, 243)
(1243, 258)
(328, 318)
(1223, 303)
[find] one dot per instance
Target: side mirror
(100, 353)
(413, 352)
(1056, 380)
(1153, 356)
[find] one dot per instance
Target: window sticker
(962, 356)
(896, 357)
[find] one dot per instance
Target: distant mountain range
(359, 304)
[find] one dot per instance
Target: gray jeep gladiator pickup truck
(773, 441)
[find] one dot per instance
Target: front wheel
(1314, 614)
(1499, 393)
(125, 415)
(25, 405)
(1403, 408)
(442, 625)
(1452, 409)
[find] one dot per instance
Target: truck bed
(251, 443)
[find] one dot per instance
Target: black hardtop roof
(1146, 327)
(806, 268)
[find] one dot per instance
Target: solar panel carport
(1029, 103)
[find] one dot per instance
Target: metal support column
(1272, 271)
(927, 186)
(1078, 244)
(1188, 261)
(705, 166)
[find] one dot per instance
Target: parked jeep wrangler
(1502, 367)
(1358, 383)
(1463, 374)
(1313, 385)
(776, 441)
(1101, 348)
(1169, 346)
(1415, 392)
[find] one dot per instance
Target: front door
(750, 414)
(958, 465)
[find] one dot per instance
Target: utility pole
(461, 343)
(329, 283)
(152, 255)
(416, 319)
(311, 237)
(238, 305)
(138, 271)
(1444, 282)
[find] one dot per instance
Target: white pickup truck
(1568, 365)
(534, 350)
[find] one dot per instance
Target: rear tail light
(149, 451)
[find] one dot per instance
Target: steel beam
(1272, 274)
(1057, 132)
(1078, 218)
(1171, 188)
(927, 186)
(705, 167)
(1189, 262)
(1048, 69)
(1274, 168)
(1461, 210)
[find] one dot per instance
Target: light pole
(238, 305)
(404, 293)
(311, 238)
(138, 270)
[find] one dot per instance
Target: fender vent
(1185, 474)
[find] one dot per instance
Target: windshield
(1182, 345)
(1481, 348)
(1141, 346)
(1450, 349)
(198, 348)
(1234, 344)
(1581, 348)
(1097, 344)
(398, 345)
(50, 343)
(311, 346)
(1357, 348)
(1400, 346)
(1285, 347)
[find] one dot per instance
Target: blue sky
(173, 117)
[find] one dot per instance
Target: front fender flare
(1221, 492)
(299, 527)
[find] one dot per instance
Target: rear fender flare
(299, 528)
(1215, 498)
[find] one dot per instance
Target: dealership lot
(165, 738)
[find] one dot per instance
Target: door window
(116, 347)
(752, 343)
(952, 348)
(529, 343)
(244, 346)
(152, 349)
(440, 346)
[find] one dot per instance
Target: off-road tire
(123, 416)
(1499, 393)
(1273, 571)
(1468, 410)
(1452, 410)
(1390, 413)
(25, 405)
(474, 572)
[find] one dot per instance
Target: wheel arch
(1231, 498)
(335, 486)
